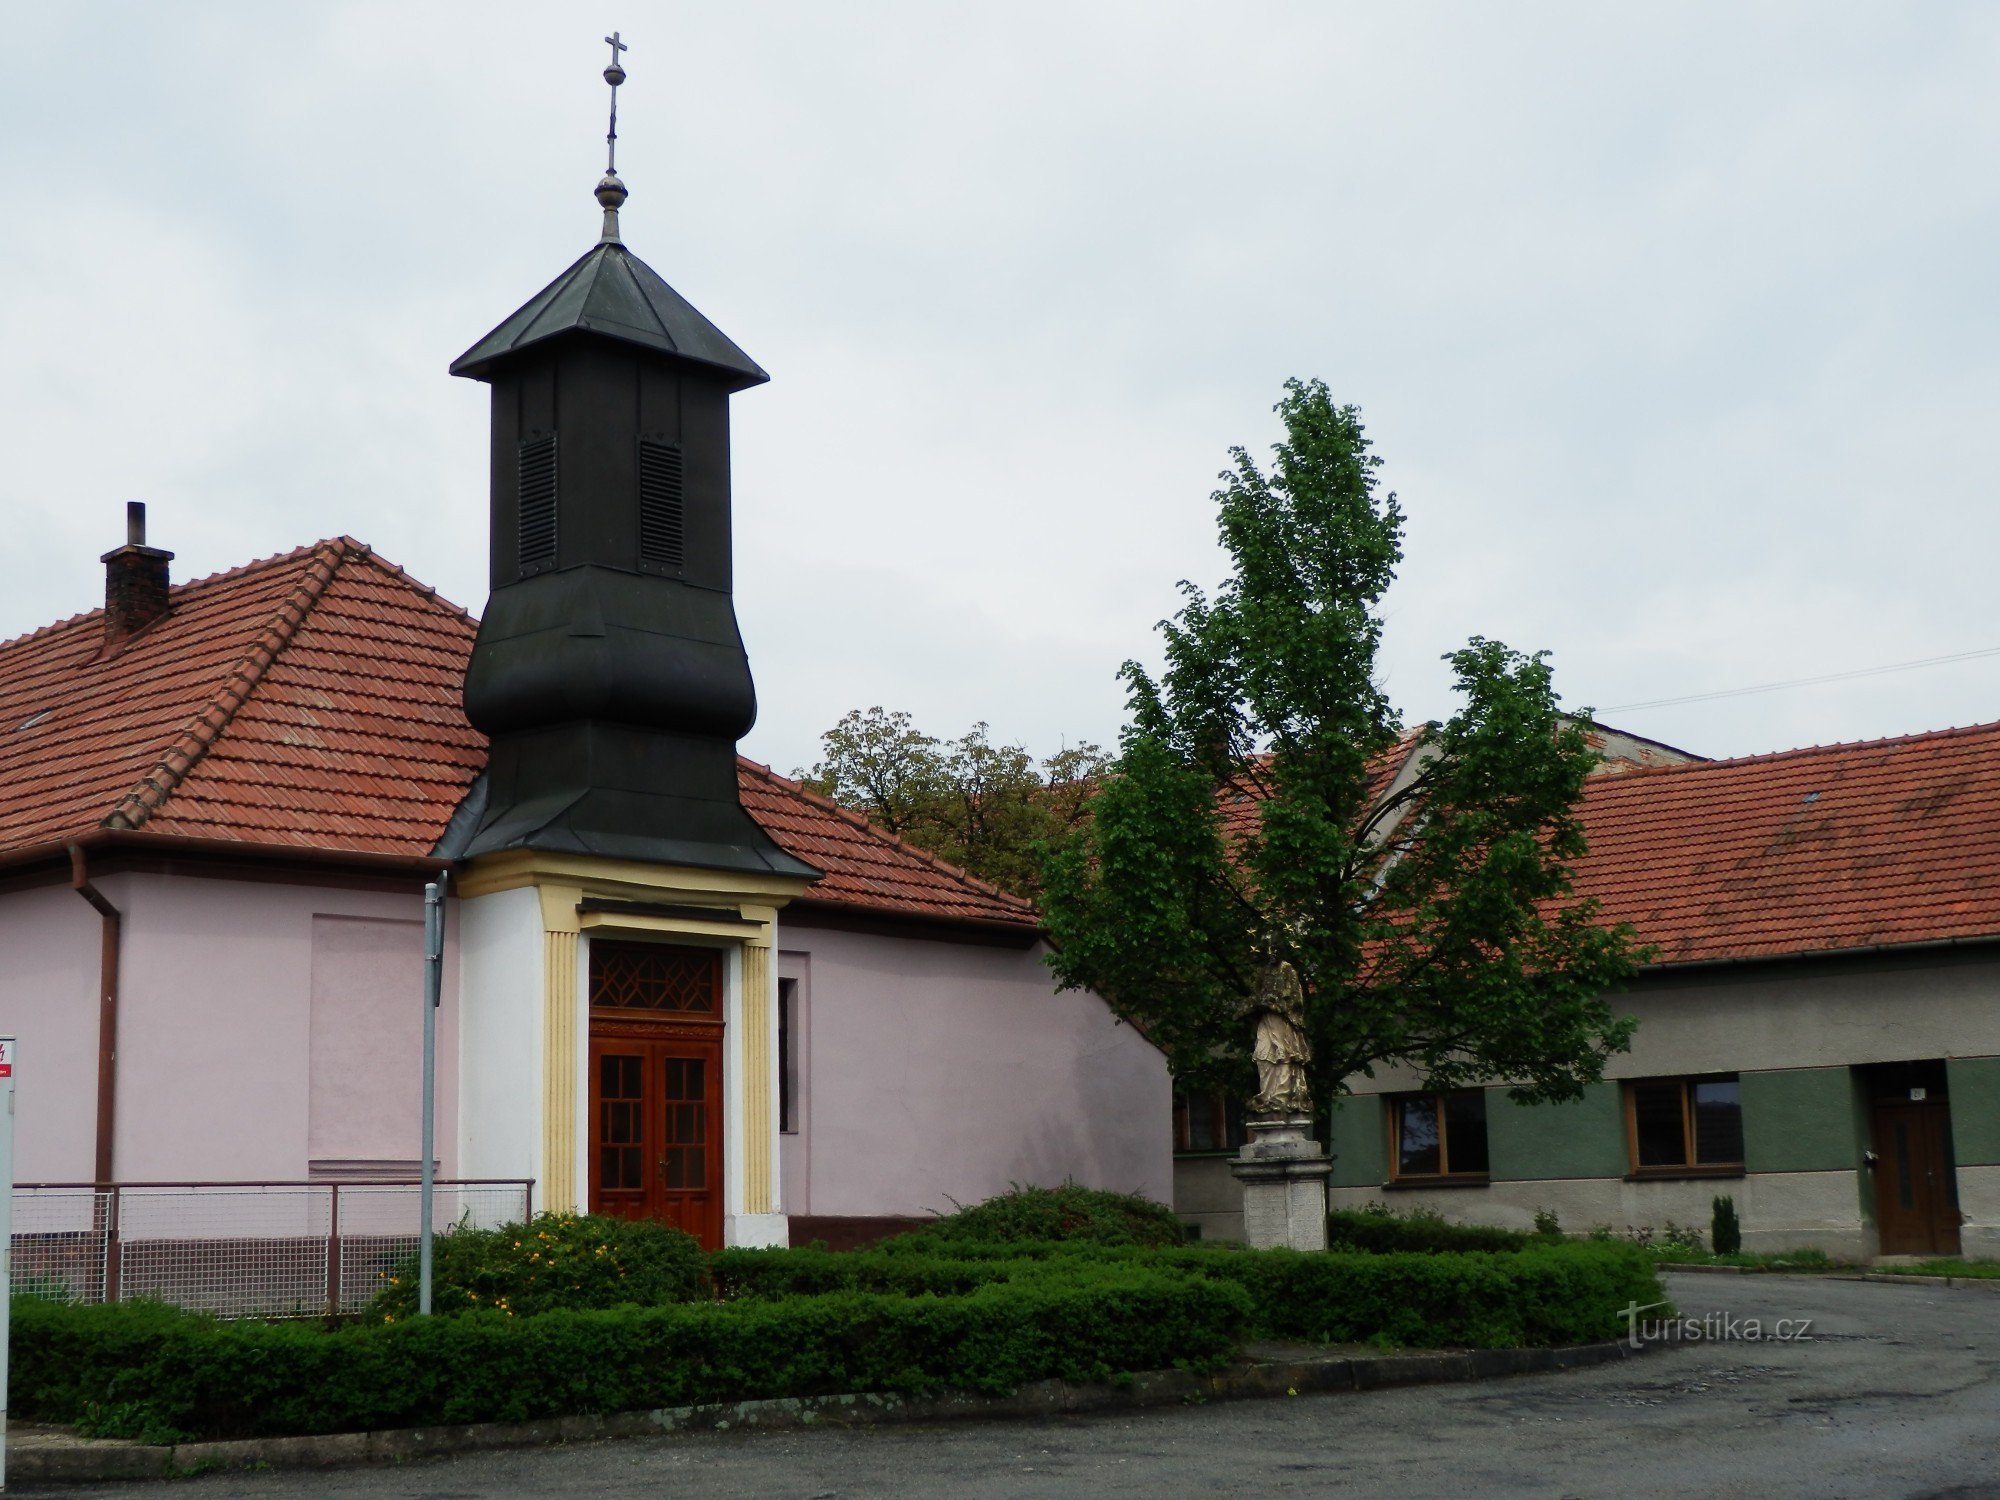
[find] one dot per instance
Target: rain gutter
(111, 931)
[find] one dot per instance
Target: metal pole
(433, 995)
(6, 1232)
(333, 1252)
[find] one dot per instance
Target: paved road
(1896, 1393)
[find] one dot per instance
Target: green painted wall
(1530, 1142)
(1799, 1120)
(1975, 1109)
(1357, 1139)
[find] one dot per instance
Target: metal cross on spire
(610, 191)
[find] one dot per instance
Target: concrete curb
(81, 1461)
(1880, 1278)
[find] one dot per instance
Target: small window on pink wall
(788, 1056)
(362, 1115)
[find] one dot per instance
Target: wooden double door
(656, 1121)
(1916, 1183)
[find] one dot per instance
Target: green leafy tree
(986, 807)
(1431, 919)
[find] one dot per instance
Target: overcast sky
(1676, 325)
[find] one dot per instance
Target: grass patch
(1766, 1260)
(1970, 1270)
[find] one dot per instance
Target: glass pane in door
(683, 1084)
(621, 1122)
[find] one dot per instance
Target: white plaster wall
(1724, 1021)
(215, 1025)
(1208, 1197)
(943, 1071)
(500, 1058)
(49, 949)
(1778, 1210)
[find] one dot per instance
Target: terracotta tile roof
(312, 701)
(1806, 851)
(308, 699)
(865, 866)
(1239, 800)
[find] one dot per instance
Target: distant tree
(986, 807)
(1431, 925)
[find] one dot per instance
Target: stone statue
(1279, 1012)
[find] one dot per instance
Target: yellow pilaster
(757, 1111)
(559, 1108)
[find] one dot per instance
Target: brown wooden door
(1916, 1191)
(656, 1130)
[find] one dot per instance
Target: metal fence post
(6, 1235)
(114, 1256)
(333, 1252)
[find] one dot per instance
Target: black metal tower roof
(612, 292)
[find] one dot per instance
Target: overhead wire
(1795, 682)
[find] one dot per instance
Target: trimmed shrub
(1544, 1295)
(133, 1369)
(1548, 1294)
(1725, 1233)
(573, 1261)
(1382, 1232)
(1069, 1212)
(939, 1271)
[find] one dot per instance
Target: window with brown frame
(1438, 1136)
(1684, 1125)
(1206, 1122)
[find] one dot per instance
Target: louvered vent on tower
(662, 510)
(538, 504)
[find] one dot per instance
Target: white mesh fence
(266, 1249)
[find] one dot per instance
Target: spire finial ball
(614, 75)
(610, 191)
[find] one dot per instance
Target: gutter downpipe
(107, 1014)
(433, 995)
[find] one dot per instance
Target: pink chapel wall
(939, 1071)
(48, 999)
(262, 1026)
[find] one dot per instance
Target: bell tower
(605, 842)
(609, 672)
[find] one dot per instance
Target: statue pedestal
(1284, 1184)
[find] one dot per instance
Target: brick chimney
(135, 581)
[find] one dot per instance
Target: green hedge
(572, 1261)
(1425, 1233)
(1547, 1294)
(1070, 1213)
(150, 1371)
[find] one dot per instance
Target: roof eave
(477, 365)
(96, 839)
(1673, 967)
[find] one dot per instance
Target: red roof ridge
(956, 872)
(1800, 752)
(404, 576)
(225, 576)
(187, 748)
